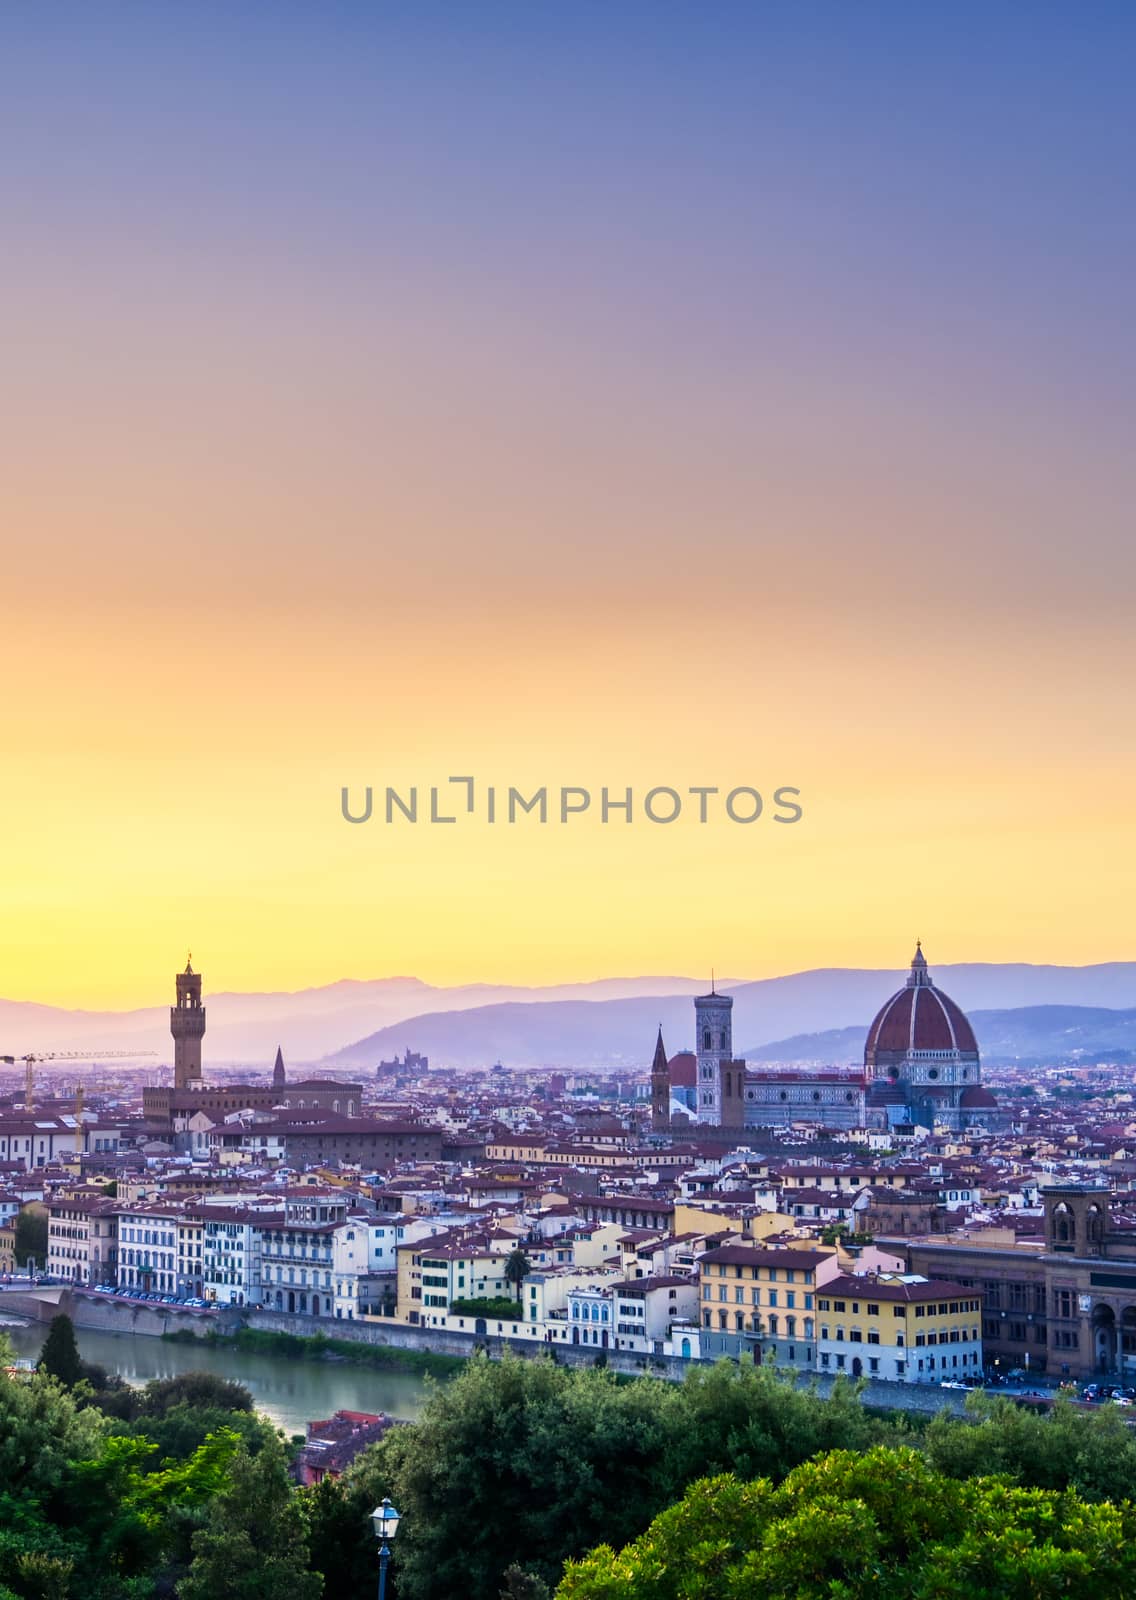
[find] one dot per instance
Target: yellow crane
(63, 1055)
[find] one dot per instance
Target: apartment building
(759, 1302)
(904, 1328)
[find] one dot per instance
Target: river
(292, 1393)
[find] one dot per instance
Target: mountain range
(819, 1015)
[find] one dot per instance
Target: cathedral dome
(976, 1097)
(916, 1019)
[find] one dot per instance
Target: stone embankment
(110, 1314)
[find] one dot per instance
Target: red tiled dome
(919, 1017)
(976, 1096)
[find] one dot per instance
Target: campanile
(187, 1024)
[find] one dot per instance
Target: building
(82, 1239)
(190, 1269)
(759, 1303)
(921, 1065)
(296, 1251)
(147, 1247)
(921, 1059)
(374, 1146)
(364, 1271)
(660, 1088)
(187, 1024)
(230, 1261)
(721, 1079)
(333, 1444)
(1062, 1303)
(647, 1309)
(901, 1328)
(37, 1140)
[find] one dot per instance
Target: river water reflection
(292, 1393)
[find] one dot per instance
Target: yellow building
(901, 1327)
(759, 1303)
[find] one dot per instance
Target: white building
(147, 1247)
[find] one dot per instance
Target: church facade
(921, 1065)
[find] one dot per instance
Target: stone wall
(109, 1314)
(451, 1342)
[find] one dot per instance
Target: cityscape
(567, 995)
(930, 1231)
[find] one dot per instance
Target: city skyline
(618, 397)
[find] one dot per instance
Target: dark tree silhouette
(60, 1353)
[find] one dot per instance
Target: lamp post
(384, 1519)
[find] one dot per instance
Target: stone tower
(279, 1081)
(660, 1088)
(1076, 1217)
(721, 1079)
(187, 1024)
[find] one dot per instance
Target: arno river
(292, 1393)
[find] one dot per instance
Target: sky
(640, 395)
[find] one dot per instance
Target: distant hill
(622, 1032)
(609, 1022)
(1026, 1034)
(246, 1028)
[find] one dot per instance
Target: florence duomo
(921, 1066)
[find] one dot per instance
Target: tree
(517, 1268)
(518, 1456)
(31, 1237)
(522, 1585)
(60, 1354)
(255, 1543)
(882, 1524)
(197, 1389)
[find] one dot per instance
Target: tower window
(706, 1039)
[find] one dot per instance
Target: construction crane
(62, 1055)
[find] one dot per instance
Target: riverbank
(321, 1347)
(290, 1393)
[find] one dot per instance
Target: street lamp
(384, 1519)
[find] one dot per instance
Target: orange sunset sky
(390, 398)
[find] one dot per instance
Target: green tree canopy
(254, 1545)
(882, 1524)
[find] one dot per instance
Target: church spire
(660, 1087)
(278, 1079)
(659, 1064)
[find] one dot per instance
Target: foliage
(883, 1524)
(255, 1543)
(1093, 1453)
(516, 1455)
(499, 1306)
(60, 1354)
(841, 1233)
(517, 1268)
(522, 1585)
(317, 1347)
(31, 1237)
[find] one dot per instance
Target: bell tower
(713, 1044)
(660, 1088)
(187, 1024)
